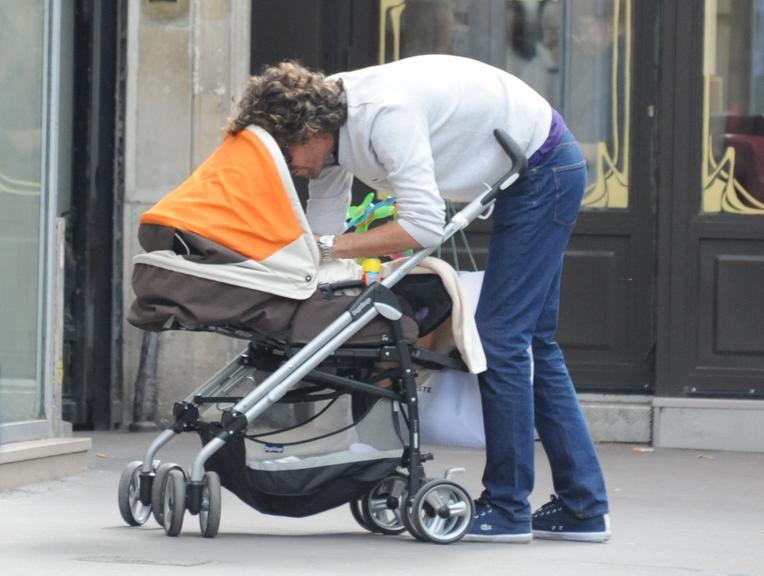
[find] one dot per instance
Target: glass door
(716, 276)
(23, 219)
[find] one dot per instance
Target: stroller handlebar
(519, 165)
(462, 219)
(519, 161)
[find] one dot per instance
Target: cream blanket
(460, 332)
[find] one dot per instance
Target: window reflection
(21, 49)
(733, 118)
(533, 50)
(576, 54)
(598, 68)
(427, 27)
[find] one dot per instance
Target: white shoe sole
(572, 536)
(506, 538)
(603, 536)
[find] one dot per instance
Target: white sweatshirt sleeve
(328, 200)
(401, 143)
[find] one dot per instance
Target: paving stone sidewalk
(674, 512)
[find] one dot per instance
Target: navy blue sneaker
(555, 522)
(491, 525)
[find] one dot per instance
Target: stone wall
(187, 62)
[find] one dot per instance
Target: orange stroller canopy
(235, 198)
(241, 201)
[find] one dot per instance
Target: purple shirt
(556, 130)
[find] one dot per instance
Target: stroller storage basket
(336, 456)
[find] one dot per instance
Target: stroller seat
(175, 300)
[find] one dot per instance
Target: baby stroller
(343, 366)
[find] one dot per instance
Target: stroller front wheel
(406, 517)
(174, 501)
(157, 504)
(133, 511)
(209, 515)
(442, 512)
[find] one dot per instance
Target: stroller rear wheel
(383, 505)
(174, 501)
(209, 515)
(442, 512)
(133, 511)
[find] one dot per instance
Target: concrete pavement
(674, 512)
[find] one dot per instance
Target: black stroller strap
(354, 422)
(254, 437)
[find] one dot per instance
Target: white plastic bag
(450, 411)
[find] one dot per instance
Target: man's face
(308, 159)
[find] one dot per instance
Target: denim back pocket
(569, 183)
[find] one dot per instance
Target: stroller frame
(377, 299)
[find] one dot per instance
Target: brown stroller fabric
(318, 311)
(169, 300)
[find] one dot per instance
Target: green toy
(361, 216)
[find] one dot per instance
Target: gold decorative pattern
(392, 10)
(721, 191)
(610, 188)
(18, 187)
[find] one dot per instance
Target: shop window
(21, 76)
(733, 111)
(577, 54)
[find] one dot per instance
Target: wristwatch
(326, 247)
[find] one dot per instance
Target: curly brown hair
(292, 103)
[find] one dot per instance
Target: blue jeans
(527, 383)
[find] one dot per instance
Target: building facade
(116, 102)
